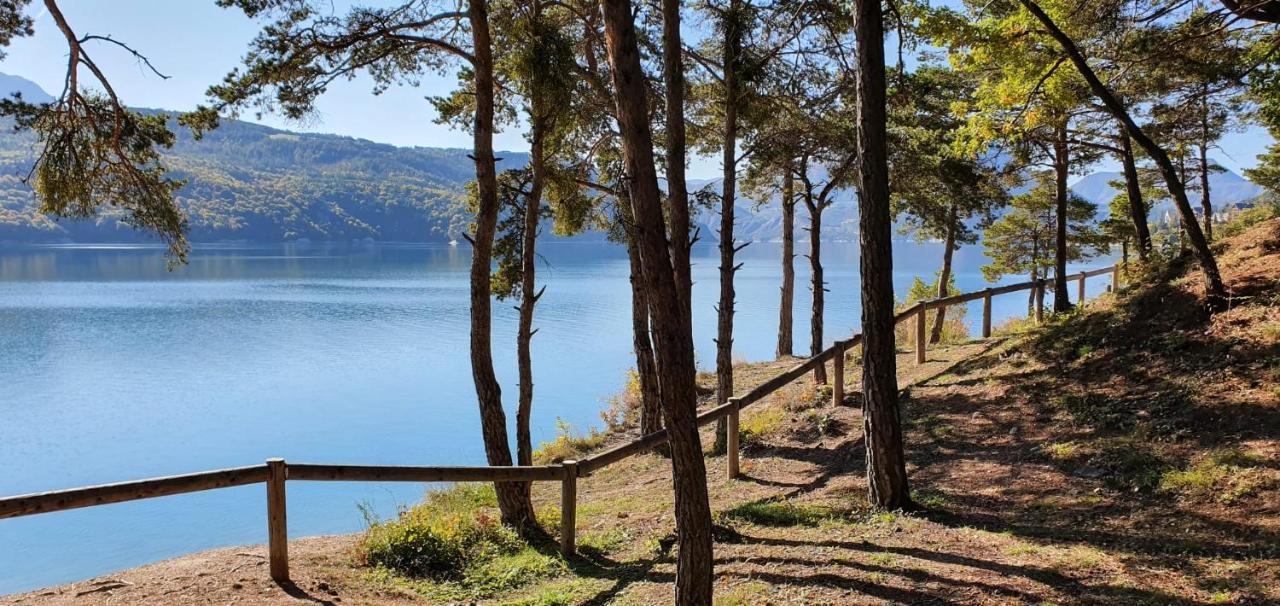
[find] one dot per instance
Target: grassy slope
(1125, 454)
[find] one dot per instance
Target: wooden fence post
(837, 369)
(986, 314)
(1115, 278)
(277, 526)
(920, 330)
(1039, 290)
(569, 508)
(1080, 292)
(731, 435)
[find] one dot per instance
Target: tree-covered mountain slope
(256, 183)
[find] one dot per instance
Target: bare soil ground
(1126, 454)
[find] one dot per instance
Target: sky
(196, 44)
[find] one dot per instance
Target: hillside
(255, 183)
(252, 182)
(1127, 453)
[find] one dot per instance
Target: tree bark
(1216, 292)
(882, 428)
(788, 266)
(673, 342)
(513, 497)
(728, 195)
(646, 367)
(1137, 209)
(677, 189)
(529, 295)
(817, 284)
(1061, 168)
(1205, 204)
(944, 277)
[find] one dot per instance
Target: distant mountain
(762, 222)
(30, 91)
(1225, 188)
(255, 183)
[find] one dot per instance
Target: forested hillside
(255, 183)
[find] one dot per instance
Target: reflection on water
(112, 368)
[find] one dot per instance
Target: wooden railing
(276, 472)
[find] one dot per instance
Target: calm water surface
(113, 369)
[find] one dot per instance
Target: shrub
(438, 539)
(567, 446)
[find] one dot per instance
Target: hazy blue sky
(197, 43)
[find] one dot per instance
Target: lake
(113, 369)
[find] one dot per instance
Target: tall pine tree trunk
(944, 277)
(529, 294)
(513, 497)
(1137, 208)
(882, 428)
(817, 284)
(788, 266)
(1216, 292)
(677, 189)
(1061, 167)
(646, 367)
(728, 198)
(673, 342)
(1205, 204)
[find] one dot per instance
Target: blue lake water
(112, 369)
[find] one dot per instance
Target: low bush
(567, 445)
(440, 538)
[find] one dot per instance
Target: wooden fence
(276, 472)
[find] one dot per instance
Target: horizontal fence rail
(276, 472)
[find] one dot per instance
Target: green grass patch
(930, 499)
(782, 514)
(1062, 452)
(1129, 464)
(748, 594)
(1225, 475)
(603, 542)
(755, 427)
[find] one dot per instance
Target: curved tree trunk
(819, 287)
(513, 497)
(646, 367)
(673, 342)
(788, 266)
(944, 277)
(1137, 208)
(1216, 292)
(1061, 167)
(882, 429)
